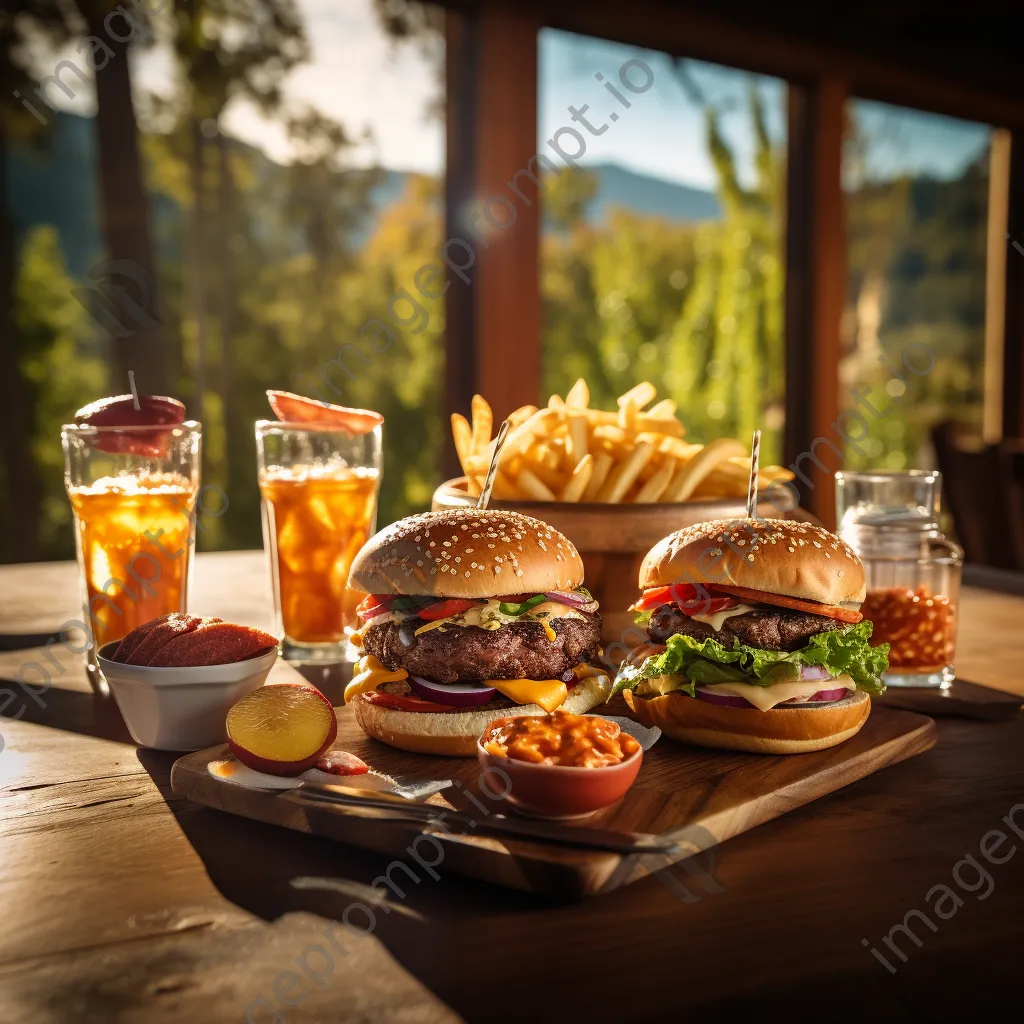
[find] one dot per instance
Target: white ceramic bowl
(181, 708)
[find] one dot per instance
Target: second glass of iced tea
(319, 489)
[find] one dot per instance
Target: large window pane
(662, 258)
(916, 214)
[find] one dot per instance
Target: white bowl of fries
(614, 482)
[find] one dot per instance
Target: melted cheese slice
(587, 671)
(369, 674)
(766, 697)
(547, 693)
(550, 694)
(715, 619)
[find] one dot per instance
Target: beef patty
(453, 654)
(777, 629)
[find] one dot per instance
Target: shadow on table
(71, 710)
(272, 871)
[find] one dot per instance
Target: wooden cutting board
(699, 797)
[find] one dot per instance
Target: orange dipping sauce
(571, 741)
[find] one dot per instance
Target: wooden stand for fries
(613, 539)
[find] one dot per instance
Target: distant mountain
(652, 197)
(56, 184)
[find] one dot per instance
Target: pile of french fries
(570, 452)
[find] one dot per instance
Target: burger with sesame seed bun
(756, 638)
(470, 615)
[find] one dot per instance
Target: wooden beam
(493, 232)
(815, 290)
(1013, 323)
(881, 64)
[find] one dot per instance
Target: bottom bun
(792, 730)
(454, 733)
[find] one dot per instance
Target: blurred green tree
(695, 308)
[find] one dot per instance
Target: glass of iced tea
(319, 487)
(133, 493)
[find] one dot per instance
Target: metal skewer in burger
(757, 640)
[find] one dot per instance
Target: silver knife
(387, 807)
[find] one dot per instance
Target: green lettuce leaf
(707, 661)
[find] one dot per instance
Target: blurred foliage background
(265, 270)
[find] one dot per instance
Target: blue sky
(363, 80)
(662, 134)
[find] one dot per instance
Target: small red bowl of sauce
(558, 765)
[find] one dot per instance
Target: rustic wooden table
(120, 903)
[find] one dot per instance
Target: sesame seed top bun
(467, 553)
(774, 555)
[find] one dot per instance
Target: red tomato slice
(688, 596)
(371, 606)
(651, 599)
(341, 762)
(291, 408)
(763, 597)
(445, 609)
(394, 702)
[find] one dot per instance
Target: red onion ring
(571, 599)
(811, 672)
(456, 695)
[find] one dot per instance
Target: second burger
(471, 615)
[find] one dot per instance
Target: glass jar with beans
(913, 572)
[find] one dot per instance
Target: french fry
(483, 421)
(638, 396)
(521, 415)
(544, 455)
(552, 478)
(504, 489)
(556, 402)
(658, 483)
(642, 422)
(625, 473)
(616, 436)
(533, 488)
(664, 410)
(693, 472)
(520, 438)
(462, 434)
(676, 447)
(577, 484)
(603, 463)
(627, 415)
(579, 395)
(578, 439)
(474, 485)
